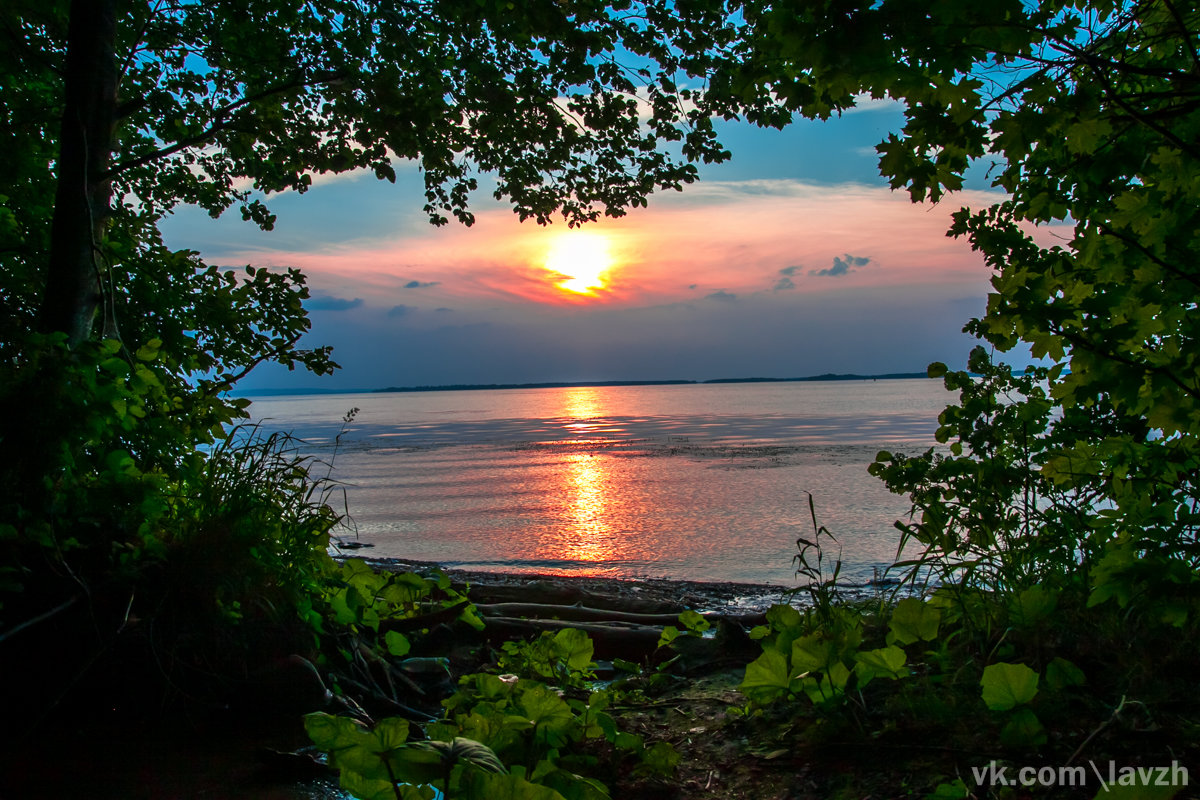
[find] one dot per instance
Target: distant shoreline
(471, 387)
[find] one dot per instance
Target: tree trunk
(82, 203)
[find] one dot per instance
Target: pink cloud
(730, 237)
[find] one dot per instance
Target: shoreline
(663, 593)
(472, 387)
(717, 596)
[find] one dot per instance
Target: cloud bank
(720, 282)
(842, 266)
(330, 303)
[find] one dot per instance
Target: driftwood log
(621, 623)
(617, 634)
(580, 613)
(625, 640)
(550, 593)
(636, 643)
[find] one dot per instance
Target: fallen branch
(544, 592)
(402, 624)
(586, 614)
(40, 617)
(378, 701)
(625, 640)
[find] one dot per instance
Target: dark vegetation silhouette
(156, 556)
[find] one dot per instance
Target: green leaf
(838, 676)
(149, 351)
(354, 750)
(390, 734)
(887, 662)
(784, 618)
(397, 643)
(669, 634)
(660, 758)
(417, 764)
(628, 741)
(1006, 685)
(766, 677)
(955, 790)
(548, 712)
(606, 726)
(570, 785)
(491, 786)
(364, 760)
(441, 731)
(575, 648)
(812, 653)
(470, 615)
(461, 750)
(599, 700)
(329, 733)
(366, 788)
(826, 690)
(1061, 673)
(1033, 605)
(119, 461)
(1023, 730)
(693, 621)
(404, 588)
(913, 620)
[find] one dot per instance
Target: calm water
(701, 482)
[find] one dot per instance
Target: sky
(792, 259)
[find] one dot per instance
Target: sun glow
(583, 260)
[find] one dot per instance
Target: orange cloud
(736, 238)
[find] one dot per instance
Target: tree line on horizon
(828, 376)
(125, 491)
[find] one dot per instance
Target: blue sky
(792, 259)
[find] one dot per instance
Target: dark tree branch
(84, 191)
(40, 617)
(1185, 34)
(133, 46)
(227, 381)
(1084, 56)
(1169, 267)
(1136, 114)
(223, 119)
(1076, 340)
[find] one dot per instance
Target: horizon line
(470, 387)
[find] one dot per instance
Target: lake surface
(696, 482)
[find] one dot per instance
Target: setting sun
(583, 258)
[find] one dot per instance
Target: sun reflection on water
(585, 485)
(589, 534)
(581, 403)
